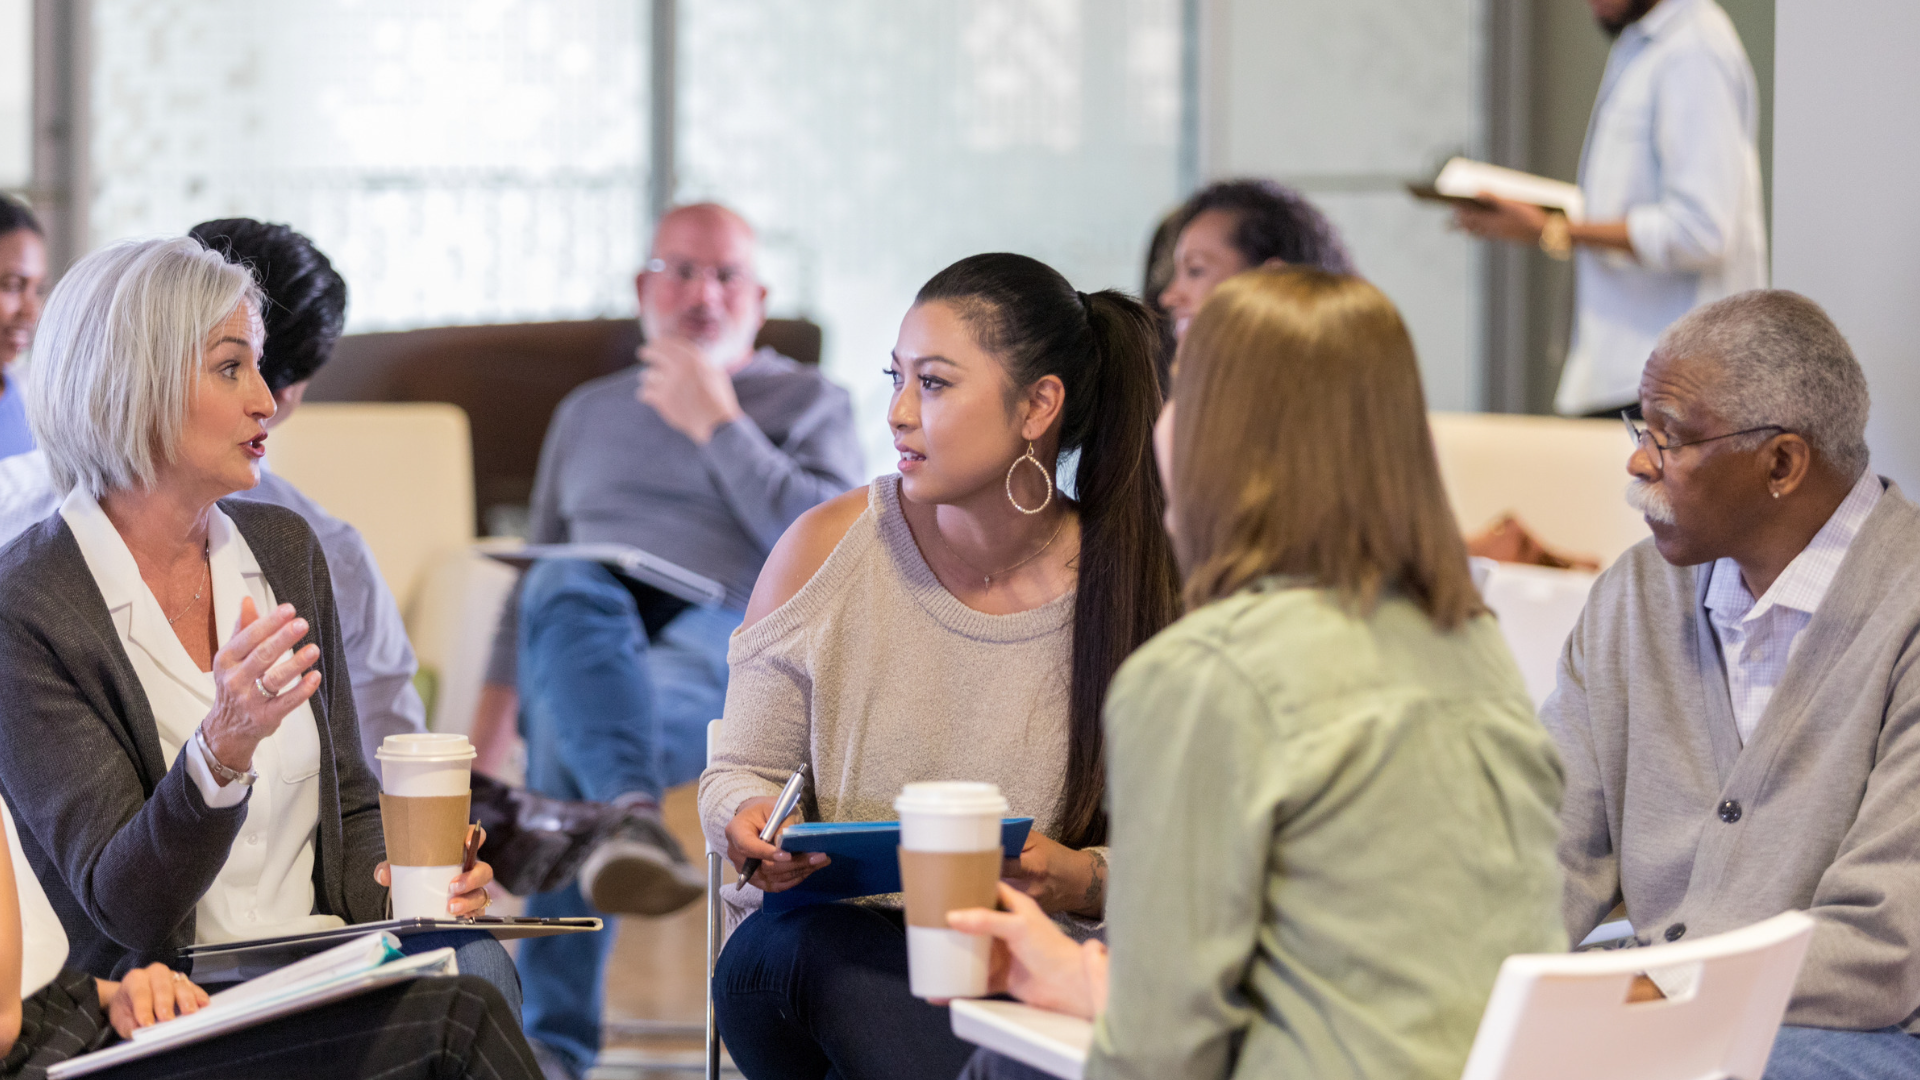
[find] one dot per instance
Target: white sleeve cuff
(218, 796)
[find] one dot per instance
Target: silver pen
(783, 806)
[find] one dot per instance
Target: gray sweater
(1698, 835)
(611, 470)
(123, 844)
(876, 676)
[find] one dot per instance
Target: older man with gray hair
(1738, 703)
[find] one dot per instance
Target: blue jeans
(821, 991)
(605, 712)
(1804, 1053)
(478, 953)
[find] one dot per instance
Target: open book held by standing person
(1670, 175)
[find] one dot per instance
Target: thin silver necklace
(208, 580)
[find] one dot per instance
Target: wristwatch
(1556, 236)
(221, 772)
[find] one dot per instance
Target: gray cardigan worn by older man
(1819, 812)
(123, 845)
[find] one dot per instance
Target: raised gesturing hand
(256, 682)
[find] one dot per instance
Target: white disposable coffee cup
(953, 817)
(426, 782)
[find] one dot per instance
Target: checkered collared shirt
(1757, 636)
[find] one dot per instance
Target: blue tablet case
(866, 860)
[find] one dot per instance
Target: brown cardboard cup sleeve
(937, 882)
(424, 830)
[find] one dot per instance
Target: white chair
(1565, 1016)
(1537, 607)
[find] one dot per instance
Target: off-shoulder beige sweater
(877, 676)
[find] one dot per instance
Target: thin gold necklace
(208, 580)
(986, 580)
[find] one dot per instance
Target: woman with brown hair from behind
(1333, 812)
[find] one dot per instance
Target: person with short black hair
(23, 273)
(305, 312)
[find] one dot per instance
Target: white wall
(1346, 100)
(1846, 224)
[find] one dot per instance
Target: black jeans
(428, 1029)
(821, 992)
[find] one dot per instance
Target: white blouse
(266, 887)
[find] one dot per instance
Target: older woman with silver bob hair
(177, 730)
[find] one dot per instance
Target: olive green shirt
(1328, 831)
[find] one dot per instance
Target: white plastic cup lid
(426, 746)
(951, 797)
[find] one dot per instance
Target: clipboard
(642, 566)
(866, 859)
(232, 961)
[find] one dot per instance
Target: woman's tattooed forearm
(1096, 883)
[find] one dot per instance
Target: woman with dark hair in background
(1230, 226)
(960, 619)
(23, 271)
(1334, 742)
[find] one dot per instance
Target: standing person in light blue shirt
(1671, 175)
(23, 271)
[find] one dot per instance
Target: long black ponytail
(1102, 347)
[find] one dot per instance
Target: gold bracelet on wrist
(1556, 236)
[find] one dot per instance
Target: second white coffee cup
(426, 780)
(958, 818)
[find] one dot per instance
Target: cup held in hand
(424, 807)
(949, 860)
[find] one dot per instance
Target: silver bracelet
(221, 772)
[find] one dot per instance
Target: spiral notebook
(365, 963)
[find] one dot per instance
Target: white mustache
(1650, 500)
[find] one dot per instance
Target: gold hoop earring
(1044, 475)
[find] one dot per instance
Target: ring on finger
(264, 692)
(179, 977)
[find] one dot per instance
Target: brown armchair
(509, 378)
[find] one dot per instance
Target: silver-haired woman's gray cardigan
(124, 846)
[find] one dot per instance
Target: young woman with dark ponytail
(958, 620)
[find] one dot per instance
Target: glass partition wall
(469, 161)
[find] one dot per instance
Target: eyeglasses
(1643, 439)
(683, 273)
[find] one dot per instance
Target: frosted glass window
(459, 160)
(873, 142)
(16, 92)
